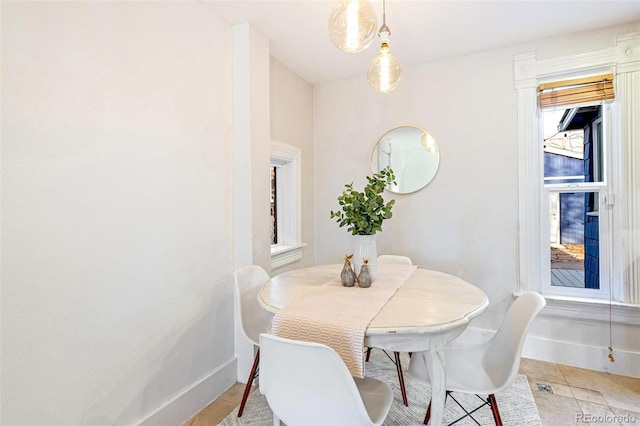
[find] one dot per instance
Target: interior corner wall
(260, 139)
(251, 232)
(116, 200)
(292, 123)
(465, 222)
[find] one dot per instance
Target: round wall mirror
(412, 154)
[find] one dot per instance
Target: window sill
(591, 309)
(286, 255)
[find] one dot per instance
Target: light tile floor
(564, 395)
(582, 397)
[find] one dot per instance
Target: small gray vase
(347, 276)
(364, 278)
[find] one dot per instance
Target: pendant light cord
(384, 14)
(384, 27)
(610, 356)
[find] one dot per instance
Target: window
(285, 178)
(574, 177)
(607, 189)
(274, 206)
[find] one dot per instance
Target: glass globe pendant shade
(352, 25)
(384, 70)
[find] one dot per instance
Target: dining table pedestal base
(436, 366)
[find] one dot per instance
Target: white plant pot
(365, 248)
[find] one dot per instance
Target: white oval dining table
(429, 310)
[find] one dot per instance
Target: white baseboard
(626, 363)
(193, 399)
(584, 356)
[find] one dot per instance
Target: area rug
(516, 403)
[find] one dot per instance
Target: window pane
(574, 239)
(573, 145)
(274, 207)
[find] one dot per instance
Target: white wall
(116, 211)
(465, 221)
(292, 123)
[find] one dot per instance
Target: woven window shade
(598, 88)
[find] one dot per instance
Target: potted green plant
(363, 214)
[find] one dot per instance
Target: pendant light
(352, 25)
(384, 70)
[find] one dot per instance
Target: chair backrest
(392, 258)
(254, 319)
(308, 383)
(502, 358)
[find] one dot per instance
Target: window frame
(529, 72)
(288, 162)
(600, 188)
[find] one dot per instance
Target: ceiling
(421, 31)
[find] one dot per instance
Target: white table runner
(338, 316)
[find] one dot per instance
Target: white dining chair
(399, 260)
(254, 320)
(489, 367)
(393, 258)
(307, 383)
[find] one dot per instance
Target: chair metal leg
(494, 409)
(491, 401)
(400, 375)
(428, 415)
(401, 379)
(247, 387)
